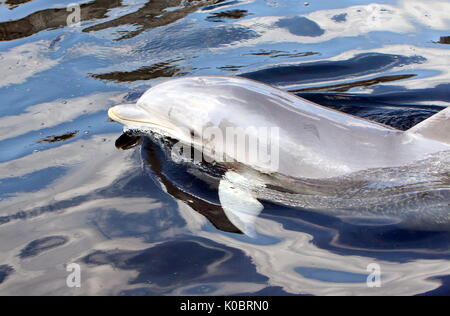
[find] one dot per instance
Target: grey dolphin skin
(318, 151)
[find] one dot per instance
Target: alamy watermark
(74, 17)
(251, 146)
(374, 278)
(73, 280)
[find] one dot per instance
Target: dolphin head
(177, 108)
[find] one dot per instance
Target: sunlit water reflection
(139, 224)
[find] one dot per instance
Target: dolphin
(316, 157)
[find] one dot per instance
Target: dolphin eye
(192, 133)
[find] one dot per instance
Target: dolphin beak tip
(127, 113)
(111, 114)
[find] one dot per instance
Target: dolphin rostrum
(315, 153)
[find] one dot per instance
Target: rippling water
(139, 224)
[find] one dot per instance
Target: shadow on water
(174, 265)
(301, 26)
(12, 4)
(160, 70)
(279, 53)
(170, 267)
(184, 187)
(361, 65)
(343, 87)
(58, 138)
(444, 40)
(230, 14)
(51, 19)
(388, 242)
(211, 208)
(37, 247)
(399, 109)
(5, 272)
(383, 242)
(153, 14)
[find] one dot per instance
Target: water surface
(130, 217)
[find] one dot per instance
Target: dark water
(139, 225)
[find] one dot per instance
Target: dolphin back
(313, 141)
(435, 128)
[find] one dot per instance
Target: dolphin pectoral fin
(240, 206)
